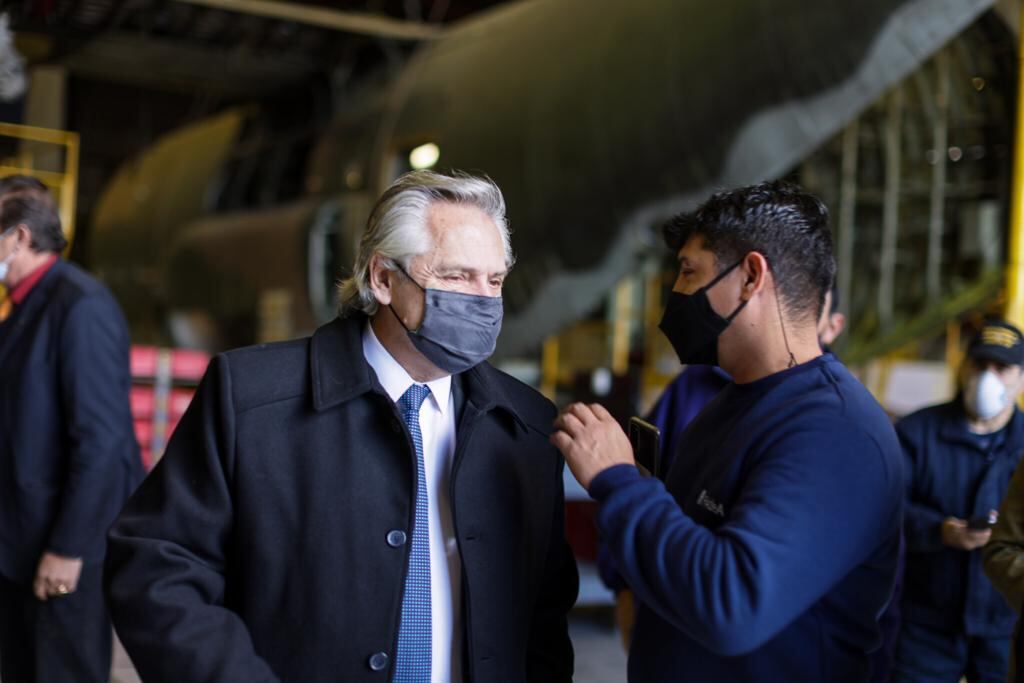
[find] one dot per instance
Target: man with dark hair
(68, 455)
(770, 549)
(681, 402)
(960, 456)
(26, 200)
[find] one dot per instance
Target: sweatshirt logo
(710, 504)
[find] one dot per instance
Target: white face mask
(985, 395)
(5, 264)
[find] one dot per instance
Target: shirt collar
(21, 291)
(394, 378)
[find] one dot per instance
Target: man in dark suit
(68, 455)
(373, 503)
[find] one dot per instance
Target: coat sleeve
(168, 560)
(735, 587)
(1003, 556)
(549, 652)
(922, 523)
(94, 380)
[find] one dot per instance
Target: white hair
(397, 227)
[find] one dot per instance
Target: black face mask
(693, 327)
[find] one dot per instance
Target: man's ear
(381, 279)
(755, 272)
(833, 328)
(23, 236)
(1020, 384)
(838, 323)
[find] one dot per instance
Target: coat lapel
(13, 329)
(339, 372)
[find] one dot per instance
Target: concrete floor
(599, 654)
(122, 670)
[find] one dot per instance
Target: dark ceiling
(136, 69)
(187, 47)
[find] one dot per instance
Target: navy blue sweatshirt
(771, 548)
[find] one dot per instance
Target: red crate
(163, 385)
(143, 402)
(178, 403)
(144, 432)
(172, 424)
(143, 361)
(146, 457)
(188, 365)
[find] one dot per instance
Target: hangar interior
(215, 162)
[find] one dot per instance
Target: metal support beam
(622, 321)
(890, 207)
(1015, 259)
(847, 211)
(940, 142)
(337, 20)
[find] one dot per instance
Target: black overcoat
(257, 549)
(68, 454)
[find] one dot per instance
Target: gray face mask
(458, 330)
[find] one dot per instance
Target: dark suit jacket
(68, 454)
(257, 548)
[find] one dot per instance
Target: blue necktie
(412, 664)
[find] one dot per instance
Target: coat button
(379, 661)
(396, 538)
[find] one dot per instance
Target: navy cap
(998, 341)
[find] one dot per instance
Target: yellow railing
(635, 302)
(64, 184)
(588, 345)
(1015, 259)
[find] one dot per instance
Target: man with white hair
(373, 503)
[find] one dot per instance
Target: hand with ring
(56, 576)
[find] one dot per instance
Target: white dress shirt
(437, 425)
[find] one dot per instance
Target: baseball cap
(998, 341)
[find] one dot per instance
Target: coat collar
(20, 316)
(339, 371)
(21, 291)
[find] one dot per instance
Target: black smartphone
(982, 522)
(646, 440)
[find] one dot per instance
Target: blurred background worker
(959, 459)
(68, 456)
(599, 119)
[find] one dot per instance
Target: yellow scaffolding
(64, 184)
(1015, 259)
